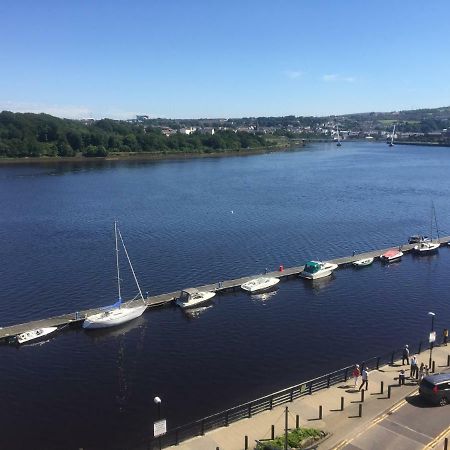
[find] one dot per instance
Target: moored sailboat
(425, 247)
(391, 144)
(117, 314)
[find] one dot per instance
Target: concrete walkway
(342, 424)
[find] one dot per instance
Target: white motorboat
(190, 298)
(363, 262)
(33, 335)
(260, 284)
(117, 314)
(317, 269)
(391, 255)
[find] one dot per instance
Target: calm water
(198, 221)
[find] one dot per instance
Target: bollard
(381, 387)
(433, 367)
(360, 410)
(297, 421)
(342, 403)
(389, 392)
(448, 360)
(246, 443)
(272, 434)
(362, 395)
(446, 444)
(320, 412)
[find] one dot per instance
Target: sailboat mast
(131, 266)
(117, 261)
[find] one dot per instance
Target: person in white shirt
(365, 379)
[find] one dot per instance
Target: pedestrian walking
(414, 368)
(401, 377)
(445, 336)
(421, 371)
(356, 374)
(365, 379)
(405, 355)
(426, 369)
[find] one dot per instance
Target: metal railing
(249, 409)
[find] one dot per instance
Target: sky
(205, 58)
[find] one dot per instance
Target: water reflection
(319, 283)
(100, 334)
(195, 313)
(263, 297)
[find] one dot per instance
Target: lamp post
(432, 314)
(157, 401)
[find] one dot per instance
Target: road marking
(383, 416)
(434, 442)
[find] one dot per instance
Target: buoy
(281, 268)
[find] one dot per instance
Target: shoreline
(146, 156)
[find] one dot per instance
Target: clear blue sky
(180, 59)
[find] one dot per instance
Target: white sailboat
(338, 137)
(117, 314)
(391, 144)
(425, 247)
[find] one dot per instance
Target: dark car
(436, 388)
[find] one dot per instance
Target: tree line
(28, 134)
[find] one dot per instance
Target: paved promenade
(349, 431)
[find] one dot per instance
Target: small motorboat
(260, 284)
(391, 255)
(363, 262)
(32, 335)
(317, 269)
(191, 298)
(417, 239)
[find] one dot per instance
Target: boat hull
(194, 303)
(253, 287)
(34, 335)
(426, 248)
(322, 273)
(363, 262)
(113, 318)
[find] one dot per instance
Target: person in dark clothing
(405, 355)
(401, 377)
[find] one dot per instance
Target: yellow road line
(378, 419)
(435, 441)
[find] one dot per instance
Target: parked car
(436, 388)
(417, 239)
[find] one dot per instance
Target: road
(410, 424)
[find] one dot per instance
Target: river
(197, 221)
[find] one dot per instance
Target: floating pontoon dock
(162, 299)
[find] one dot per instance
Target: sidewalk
(342, 424)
